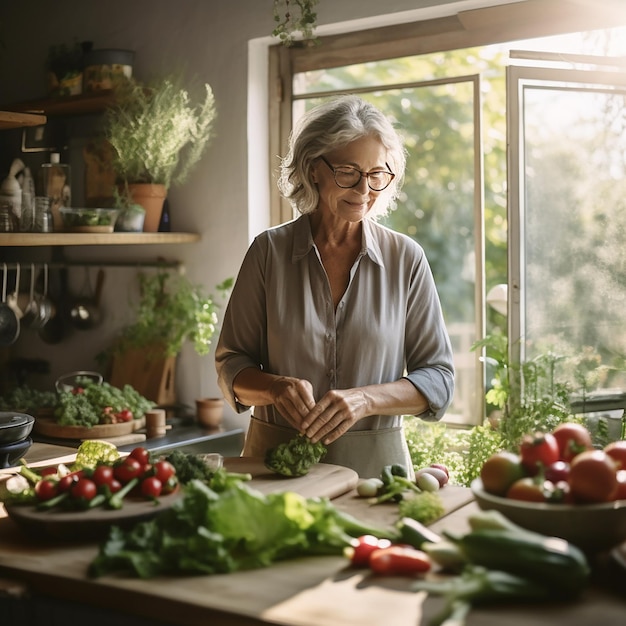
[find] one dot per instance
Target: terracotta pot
(210, 412)
(151, 198)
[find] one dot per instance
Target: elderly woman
(334, 326)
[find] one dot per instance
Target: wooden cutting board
(323, 480)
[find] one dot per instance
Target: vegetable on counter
(100, 403)
(224, 527)
(295, 457)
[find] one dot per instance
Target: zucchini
(415, 533)
(552, 561)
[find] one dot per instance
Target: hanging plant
(295, 16)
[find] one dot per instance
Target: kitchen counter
(310, 591)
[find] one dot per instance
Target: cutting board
(323, 479)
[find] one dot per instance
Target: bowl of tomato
(592, 527)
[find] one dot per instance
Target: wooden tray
(48, 427)
(90, 524)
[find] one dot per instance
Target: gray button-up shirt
(388, 324)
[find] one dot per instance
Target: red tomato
(84, 489)
(359, 553)
(102, 475)
(617, 451)
(621, 485)
(529, 490)
(125, 415)
(556, 472)
(114, 486)
(151, 487)
(399, 561)
(538, 450)
(141, 454)
(562, 493)
(46, 489)
(164, 470)
(500, 471)
(593, 477)
(573, 439)
(48, 471)
(65, 483)
(127, 469)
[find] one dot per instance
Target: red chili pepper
(359, 553)
(399, 561)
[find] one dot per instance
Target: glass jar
(8, 222)
(43, 215)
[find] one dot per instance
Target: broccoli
(295, 457)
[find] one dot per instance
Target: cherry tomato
(500, 471)
(141, 454)
(399, 561)
(593, 477)
(102, 475)
(66, 482)
(114, 486)
(164, 470)
(84, 489)
(530, 490)
(46, 489)
(125, 415)
(127, 469)
(48, 471)
(617, 451)
(562, 493)
(538, 450)
(572, 439)
(558, 471)
(151, 487)
(359, 553)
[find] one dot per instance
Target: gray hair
(327, 127)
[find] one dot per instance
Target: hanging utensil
(54, 329)
(31, 310)
(9, 322)
(85, 313)
(12, 297)
(44, 303)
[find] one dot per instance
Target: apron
(364, 451)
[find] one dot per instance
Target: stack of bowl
(15, 429)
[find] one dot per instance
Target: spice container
(43, 222)
(55, 183)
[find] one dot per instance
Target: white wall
(209, 39)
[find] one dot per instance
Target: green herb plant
(288, 23)
(157, 133)
(172, 310)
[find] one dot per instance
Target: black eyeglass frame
(361, 174)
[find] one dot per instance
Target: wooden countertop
(310, 591)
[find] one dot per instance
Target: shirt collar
(303, 240)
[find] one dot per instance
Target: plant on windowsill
(171, 311)
(524, 398)
(158, 134)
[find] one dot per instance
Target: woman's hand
(293, 398)
(334, 415)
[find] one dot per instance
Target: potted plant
(64, 67)
(157, 135)
(170, 312)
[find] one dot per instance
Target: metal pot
(85, 314)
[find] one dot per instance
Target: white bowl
(591, 527)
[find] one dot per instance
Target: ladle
(31, 310)
(9, 322)
(43, 302)
(12, 298)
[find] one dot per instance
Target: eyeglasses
(348, 177)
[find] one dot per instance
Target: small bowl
(14, 427)
(11, 453)
(89, 220)
(591, 527)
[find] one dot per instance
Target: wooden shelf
(82, 104)
(11, 119)
(94, 239)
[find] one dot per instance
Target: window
(440, 100)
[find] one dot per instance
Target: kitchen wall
(208, 39)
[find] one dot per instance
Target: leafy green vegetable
(88, 408)
(295, 457)
(190, 466)
(24, 398)
(424, 507)
(228, 526)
